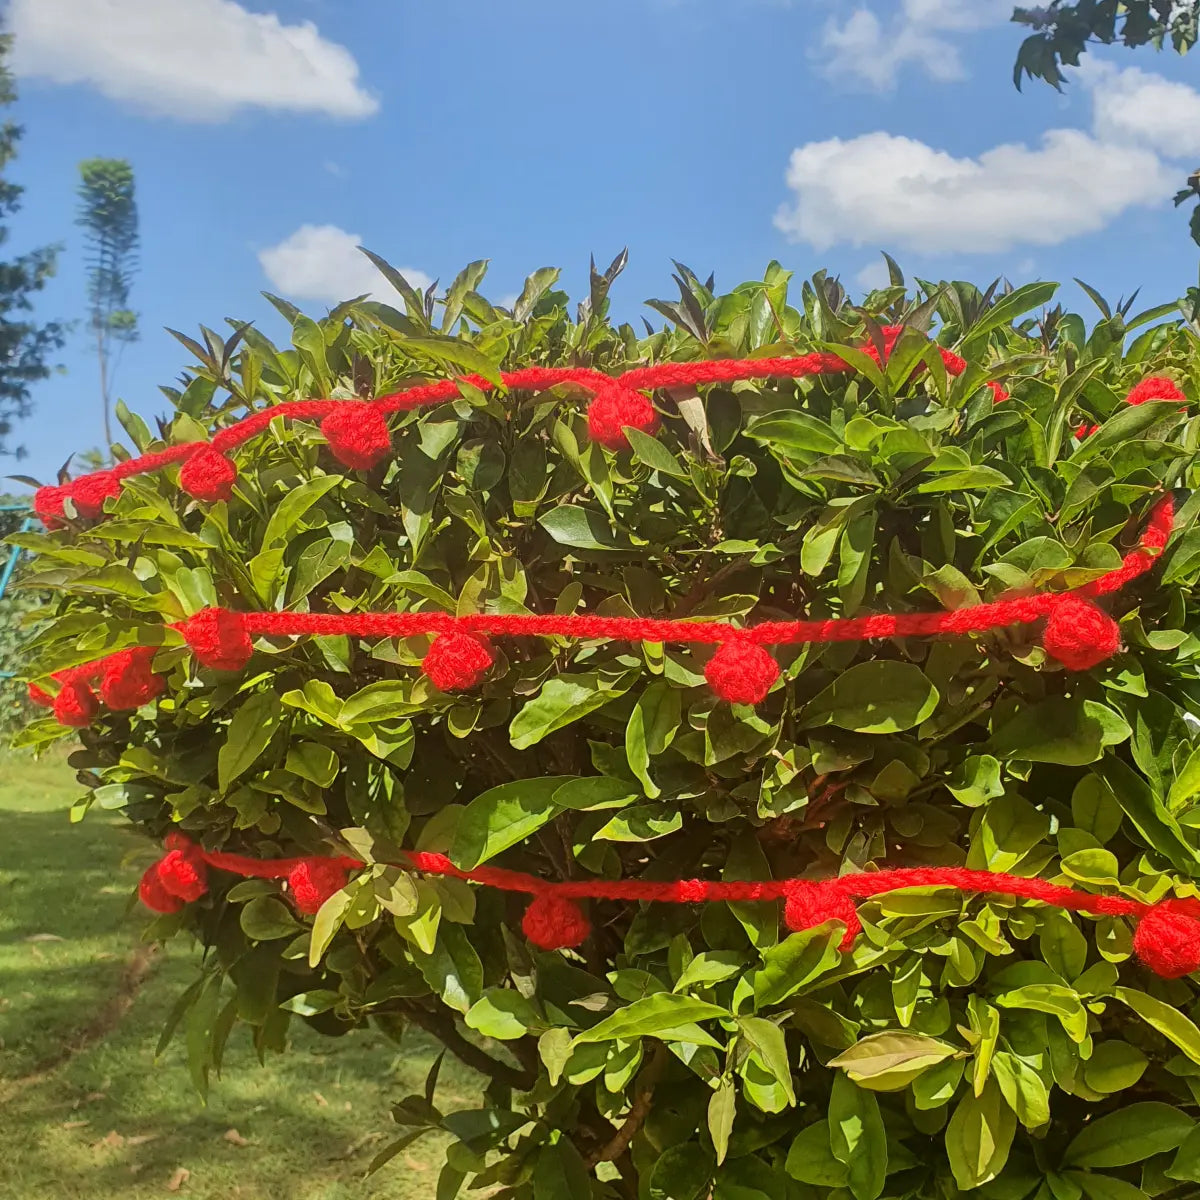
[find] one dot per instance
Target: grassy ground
(111, 1121)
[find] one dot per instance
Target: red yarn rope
(662, 375)
(1166, 938)
(860, 886)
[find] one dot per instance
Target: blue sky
(268, 136)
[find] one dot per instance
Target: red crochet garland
(1166, 938)
(358, 435)
(1078, 634)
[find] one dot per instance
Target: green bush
(967, 1045)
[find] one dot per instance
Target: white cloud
(883, 190)
(871, 50)
(200, 60)
(1143, 108)
(873, 276)
(323, 262)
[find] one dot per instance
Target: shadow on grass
(113, 1122)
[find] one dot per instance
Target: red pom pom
(128, 681)
(891, 335)
(75, 705)
(741, 672)
(90, 492)
(1085, 430)
(357, 434)
(999, 394)
(456, 662)
(313, 881)
(555, 923)
(1167, 939)
(183, 873)
(811, 904)
(1079, 634)
(208, 475)
(48, 505)
(40, 696)
(1157, 387)
(218, 639)
(615, 408)
(154, 896)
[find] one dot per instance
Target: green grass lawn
(111, 1121)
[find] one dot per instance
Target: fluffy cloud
(1143, 109)
(200, 60)
(323, 262)
(870, 50)
(880, 189)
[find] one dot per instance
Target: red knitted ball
(48, 504)
(615, 408)
(154, 896)
(218, 639)
(456, 662)
(357, 434)
(555, 923)
(891, 335)
(1085, 430)
(741, 672)
(811, 904)
(999, 393)
(313, 881)
(40, 696)
(208, 475)
(1080, 635)
(128, 681)
(90, 492)
(1167, 940)
(183, 873)
(1157, 387)
(75, 705)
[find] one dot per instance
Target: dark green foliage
(15, 709)
(26, 346)
(999, 1049)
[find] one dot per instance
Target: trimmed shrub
(961, 1043)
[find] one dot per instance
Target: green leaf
(503, 1014)
(295, 503)
(722, 1108)
(1023, 1089)
(682, 1172)
(875, 697)
(649, 450)
(1052, 998)
(1068, 731)
(503, 816)
(888, 1062)
(1129, 1135)
(452, 968)
(979, 1136)
(579, 528)
(562, 700)
(1114, 1066)
(768, 1041)
(595, 792)
(455, 353)
(857, 1138)
(810, 1158)
(790, 432)
(249, 734)
(656, 1015)
(651, 729)
(327, 922)
(1142, 805)
(797, 960)
(1167, 1019)
(312, 761)
(310, 1004)
(267, 918)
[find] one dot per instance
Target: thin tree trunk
(102, 354)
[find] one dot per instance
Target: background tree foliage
(26, 346)
(109, 217)
(1065, 31)
(970, 1046)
